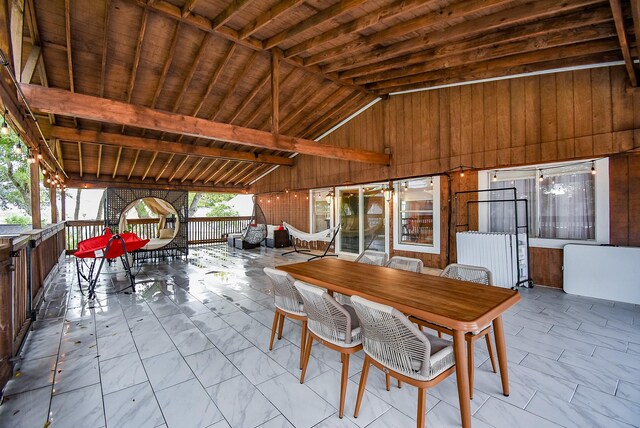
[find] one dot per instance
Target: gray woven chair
(405, 263)
(334, 325)
(371, 257)
(396, 346)
(478, 275)
(288, 305)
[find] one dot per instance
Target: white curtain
(503, 213)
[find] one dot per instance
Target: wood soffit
(180, 91)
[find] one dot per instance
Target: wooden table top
(459, 305)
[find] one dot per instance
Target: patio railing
(202, 230)
(26, 265)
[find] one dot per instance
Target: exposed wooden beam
(275, 91)
(35, 40)
(136, 58)
(133, 164)
(105, 46)
(215, 76)
(193, 168)
(493, 51)
(30, 67)
(370, 19)
(36, 216)
(204, 170)
(316, 19)
(58, 148)
(449, 41)
(225, 16)
(75, 181)
(260, 108)
(230, 34)
(115, 168)
(147, 144)
(217, 171)
(146, 171)
(166, 66)
(267, 17)
(232, 178)
(540, 55)
(473, 26)
(635, 13)
(618, 18)
(165, 166)
(251, 96)
(178, 168)
(80, 157)
(58, 101)
(327, 103)
(204, 45)
(188, 7)
(232, 86)
(99, 161)
(337, 110)
(226, 174)
(67, 25)
(253, 173)
(16, 27)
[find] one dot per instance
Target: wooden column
(36, 220)
(63, 205)
(54, 206)
(275, 91)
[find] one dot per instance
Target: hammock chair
(328, 235)
(256, 232)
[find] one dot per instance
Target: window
(416, 220)
(321, 210)
(363, 214)
(567, 202)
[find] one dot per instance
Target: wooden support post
(54, 205)
(36, 220)
(275, 91)
(63, 205)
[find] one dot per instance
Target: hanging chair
(256, 232)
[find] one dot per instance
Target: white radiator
(496, 252)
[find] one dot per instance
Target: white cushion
(270, 229)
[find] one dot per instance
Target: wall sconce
(329, 197)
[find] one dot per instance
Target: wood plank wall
(537, 119)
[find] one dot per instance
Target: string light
(461, 172)
(39, 156)
(44, 172)
(541, 176)
(430, 181)
(31, 159)
(17, 149)
(593, 168)
(495, 176)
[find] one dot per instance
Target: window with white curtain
(416, 219)
(321, 209)
(567, 201)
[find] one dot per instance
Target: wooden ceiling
(213, 60)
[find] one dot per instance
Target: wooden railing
(27, 263)
(202, 230)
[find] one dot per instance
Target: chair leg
(363, 383)
(387, 379)
(399, 384)
(282, 317)
(490, 348)
(304, 338)
(343, 383)
(276, 318)
(440, 334)
(422, 407)
(307, 353)
(470, 366)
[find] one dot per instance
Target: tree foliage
(215, 201)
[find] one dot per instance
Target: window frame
(601, 198)
(312, 208)
(416, 247)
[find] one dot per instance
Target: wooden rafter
(136, 59)
(215, 76)
(225, 16)
(226, 173)
(115, 167)
(80, 157)
(267, 17)
(251, 96)
(188, 7)
(178, 168)
(193, 168)
(58, 101)
(232, 86)
(192, 70)
(133, 164)
(30, 67)
(166, 66)
(162, 184)
(325, 105)
(35, 41)
(204, 170)
(139, 143)
(635, 13)
(99, 161)
(164, 167)
(275, 91)
(151, 161)
(105, 45)
(300, 108)
(216, 172)
(253, 173)
(232, 178)
(67, 24)
(337, 110)
(16, 26)
(314, 20)
(232, 35)
(362, 23)
(618, 18)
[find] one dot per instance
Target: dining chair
(334, 325)
(398, 348)
(288, 305)
(478, 275)
(372, 257)
(405, 263)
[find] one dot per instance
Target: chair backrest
(286, 295)
(371, 257)
(391, 339)
(406, 263)
(327, 318)
(468, 273)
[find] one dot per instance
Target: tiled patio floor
(190, 349)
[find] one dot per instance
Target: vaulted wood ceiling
(213, 59)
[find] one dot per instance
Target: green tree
(217, 204)
(15, 180)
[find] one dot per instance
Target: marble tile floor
(190, 349)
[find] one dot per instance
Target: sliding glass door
(364, 215)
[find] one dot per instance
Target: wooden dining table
(459, 305)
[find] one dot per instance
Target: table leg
(501, 348)
(462, 374)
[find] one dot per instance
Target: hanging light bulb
(495, 176)
(48, 180)
(295, 195)
(31, 159)
(593, 168)
(461, 172)
(541, 176)
(39, 156)
(17, 149)
(5, 127)
(405, 186)
(430, 181)
(44, 172)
